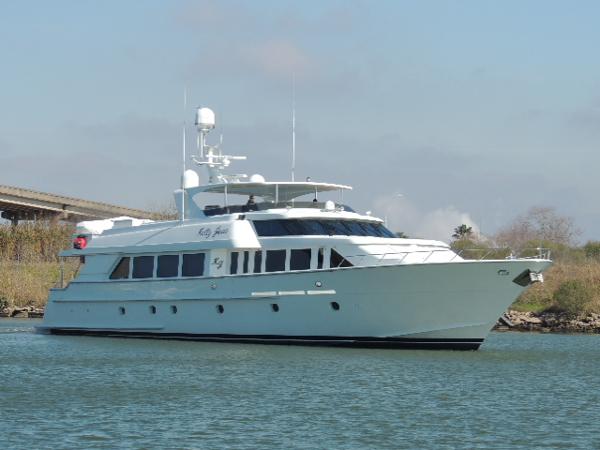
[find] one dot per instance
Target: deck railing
(484, 254)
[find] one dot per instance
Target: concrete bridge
(24, 204)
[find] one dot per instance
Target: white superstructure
(281, 266)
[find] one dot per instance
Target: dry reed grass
(29, 263)
(543, 296)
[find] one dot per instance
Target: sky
(437, 112)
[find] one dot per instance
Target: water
(517, 391)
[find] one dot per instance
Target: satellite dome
(257, 178)
(330, 205)
(205, 119)
(190, 179)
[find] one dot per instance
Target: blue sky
(475, 111)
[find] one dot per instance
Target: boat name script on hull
(212, 233)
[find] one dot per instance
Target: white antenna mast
(183, 157)
(293, 124)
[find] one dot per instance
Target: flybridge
(212, 157)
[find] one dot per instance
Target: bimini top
(270, 190)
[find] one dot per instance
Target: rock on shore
(22, 312)
(549, 322)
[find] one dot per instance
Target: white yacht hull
(438, 305)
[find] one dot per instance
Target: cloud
(279, 58)
(403, 215)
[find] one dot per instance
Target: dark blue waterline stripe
(335, 341)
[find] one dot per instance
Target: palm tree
(462, 232)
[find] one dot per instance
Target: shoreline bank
(548, 322)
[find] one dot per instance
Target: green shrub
(592, 249)
(573, 297)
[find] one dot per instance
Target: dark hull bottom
(325, 341)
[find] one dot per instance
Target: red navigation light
(80, 242)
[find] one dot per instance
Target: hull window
(320, 258)
(143, 266)
(193, 265)
(257, 261)
(167, 266)
(300, 259)
(233, 263)
(246, 261)
(122, 270)
(337, 260)
(275, 261)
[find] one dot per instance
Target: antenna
(293, 124)
(183, 156)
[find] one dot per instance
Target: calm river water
(517, 391)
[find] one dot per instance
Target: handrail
(399, 257)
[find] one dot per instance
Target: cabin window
(193, 265)
(275, 261)
(300, 259)
(167, 266)
(337, 260)
(121, 270)
(320, 257)
(246, 261)
(233, 263)
(257, 261)
(143, 267)
(298, 227)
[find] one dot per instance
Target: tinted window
(168, 266)
(275, 261)
(245, 263)
(300, 259)
(193, 265)
(143, 267)
(298, 227)
(233, 264)
(320, 258)
(257, 261)
(270, 228)
(122, 270)
(337, 260)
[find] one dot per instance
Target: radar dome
(205, 119)
(257, 178)
(190, 179)
(329, 205)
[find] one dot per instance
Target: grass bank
(29, 263)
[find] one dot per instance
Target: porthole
(173, 309)
(318, 284)
(220, 309)
(152, 309)
(121, 310)
(335, 306)
(275, 307)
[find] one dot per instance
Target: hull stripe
(337, 341)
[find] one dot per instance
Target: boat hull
(432, 306)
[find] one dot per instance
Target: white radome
(205, 119)
(191, 179)
(257, 178)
